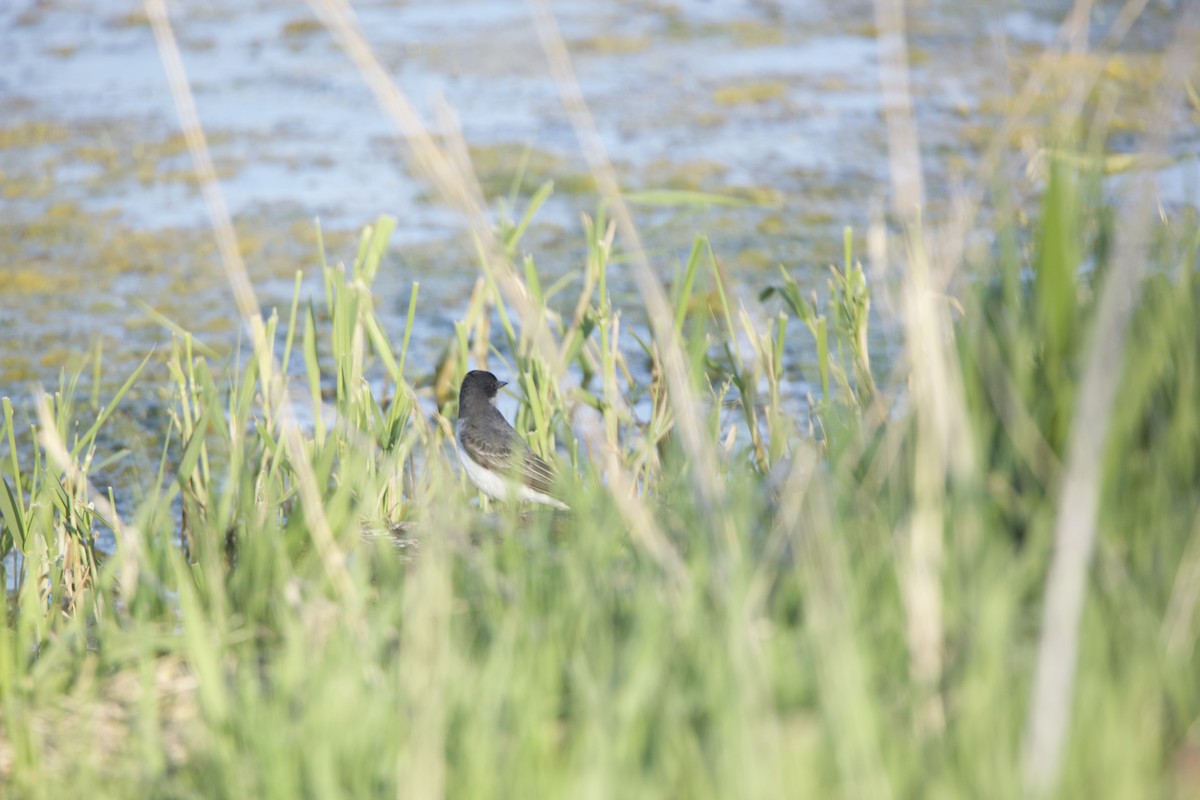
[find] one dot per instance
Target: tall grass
(778, 608)
(625, 648)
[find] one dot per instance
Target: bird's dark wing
(536, 473)
(492, 452)
(512, 457)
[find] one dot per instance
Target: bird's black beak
(501, 384)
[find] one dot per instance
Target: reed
(834, 595)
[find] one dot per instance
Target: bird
(494, 457)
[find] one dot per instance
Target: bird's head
(479, 385)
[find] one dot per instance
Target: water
(778, 101)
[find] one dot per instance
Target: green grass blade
(89, 437)
(408, 326)
(683, 299)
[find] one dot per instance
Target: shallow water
(774, 101)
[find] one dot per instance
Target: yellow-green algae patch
(25, 185)
(750, 93)
(34, 133)
(16, 368)
(77, 278)
(772, 225)
(611, 45)
(115, 152)
(752, 33)
(755, 258)
(498, 166)
(131, 19)
(693, 175)
(302, 28)
(766, 196)
(25, 279)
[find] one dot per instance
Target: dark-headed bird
(494, 457)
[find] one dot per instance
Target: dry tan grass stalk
(642, 528)
(128, 537)
(1072, 35)
(688, 416)
(332, 558)
(934, 381)
(1078, 504)
(1178, 631)
(446, 167)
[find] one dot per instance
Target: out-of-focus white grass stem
(1048, 721)
(688, 415)
(333, 559)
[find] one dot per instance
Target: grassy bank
(322, 610)
(974, 574)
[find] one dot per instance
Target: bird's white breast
(491, 484)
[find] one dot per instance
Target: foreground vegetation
(322, 609)
(974, 575)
